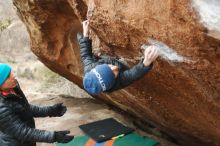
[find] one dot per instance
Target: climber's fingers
(85, 28)
(85, 23)
(155, 54)
(151, 53)
(148, 51)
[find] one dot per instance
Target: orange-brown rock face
(181, 98)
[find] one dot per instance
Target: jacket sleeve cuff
(81, 38)
(86, 39)
(145, 68)
(51, 137)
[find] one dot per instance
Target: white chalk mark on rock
(209, 12)
(166, 52)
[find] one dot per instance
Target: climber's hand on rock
(85, 28)
(150, 54)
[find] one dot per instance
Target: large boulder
(181, 97)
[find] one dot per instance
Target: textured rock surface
(181, 99)
(209, 12)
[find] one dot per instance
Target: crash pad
(77, 141)
(106, 129)
(135, 140)
(132, 139)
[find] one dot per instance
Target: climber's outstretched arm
(86, 47)
(138, 71)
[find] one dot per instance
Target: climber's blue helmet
(99, 79)
(5, 71)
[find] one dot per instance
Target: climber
(107, 74)
(17, 126)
